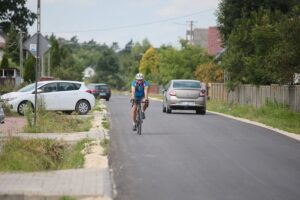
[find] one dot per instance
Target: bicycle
(139, 116)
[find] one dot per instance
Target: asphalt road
(184, 156)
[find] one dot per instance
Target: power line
(131, 25)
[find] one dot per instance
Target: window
(51, 87)
(65, 86)
(186, 84)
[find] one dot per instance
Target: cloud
(182, 7)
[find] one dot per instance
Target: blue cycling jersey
(139, 89)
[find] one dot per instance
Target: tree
(4, 62)
(209, 72)
(180, 64)
(263, 49)
(54, 53)
(15, 12)
(149, 65)
(12, 47)
(229, 11)
(29, 71)
(107, 67)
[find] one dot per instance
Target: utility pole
(21, 57)
(49, 56)
(37, 66)
(191, 31)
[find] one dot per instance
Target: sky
(108, 21)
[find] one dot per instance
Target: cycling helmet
(139, 76)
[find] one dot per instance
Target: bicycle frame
(139, 118)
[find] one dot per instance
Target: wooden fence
(257, 95)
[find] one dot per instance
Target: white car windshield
(29, 88)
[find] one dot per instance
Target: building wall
(214, 41)
(200, 36)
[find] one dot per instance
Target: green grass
(272, 114)
(49, 122)
(97, 106)
(40, 154)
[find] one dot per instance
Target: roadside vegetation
(40, 154)
(105, 123)
(52, 122)
(272, 114)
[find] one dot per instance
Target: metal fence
(257, 95)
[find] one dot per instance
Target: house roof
(214, 41)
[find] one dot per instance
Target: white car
(56, 95)
(2, 116)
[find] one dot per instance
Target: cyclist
(139, 91)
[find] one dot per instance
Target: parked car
(184, 95)
(100, 90)
(2, 115)
(56, 95)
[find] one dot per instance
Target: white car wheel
(82, 107)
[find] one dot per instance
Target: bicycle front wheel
(139, 128)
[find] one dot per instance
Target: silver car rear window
(186, 84)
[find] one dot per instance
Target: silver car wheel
(168, 110)
(164, 107)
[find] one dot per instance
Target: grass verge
(40, 154)
(272, 114)
(49, 122)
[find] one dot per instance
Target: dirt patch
(94, 157)
(12, 125)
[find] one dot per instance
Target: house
(88, 73)
(2, 43)
(10, 75)
(198, 37)
(209, 39)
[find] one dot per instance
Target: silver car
(184, 95)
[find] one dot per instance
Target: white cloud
(183, 7)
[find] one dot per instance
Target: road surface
(199, 157)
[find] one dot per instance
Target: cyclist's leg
(133, 115)
(145, 106)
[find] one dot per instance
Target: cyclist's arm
(132, 92)
(146, 92)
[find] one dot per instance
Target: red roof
(214, 41)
